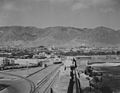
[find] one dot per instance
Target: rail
(32, 85)
(49, 89)
(41, 83)
(34, 73)
(46, 79)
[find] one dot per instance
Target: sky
(46, 13)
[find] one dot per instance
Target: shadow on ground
(70, 87)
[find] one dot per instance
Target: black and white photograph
(59, 46)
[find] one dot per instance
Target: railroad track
(49, 87)
(40, 83)
(47, 78)
(51, 78)
(32, 85)
(34, 73)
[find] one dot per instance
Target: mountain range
(29, 36)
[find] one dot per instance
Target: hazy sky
(44, 13)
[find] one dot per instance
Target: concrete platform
(61, 85)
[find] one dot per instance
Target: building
(7, 62)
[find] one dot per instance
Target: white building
(1, 60)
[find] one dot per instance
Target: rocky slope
(58, 36)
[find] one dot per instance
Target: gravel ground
(23, 72)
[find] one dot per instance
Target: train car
(57, 61)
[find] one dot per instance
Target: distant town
(15, 58)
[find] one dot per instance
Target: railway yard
(54, 78)
(38, 80)
(73, 75)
